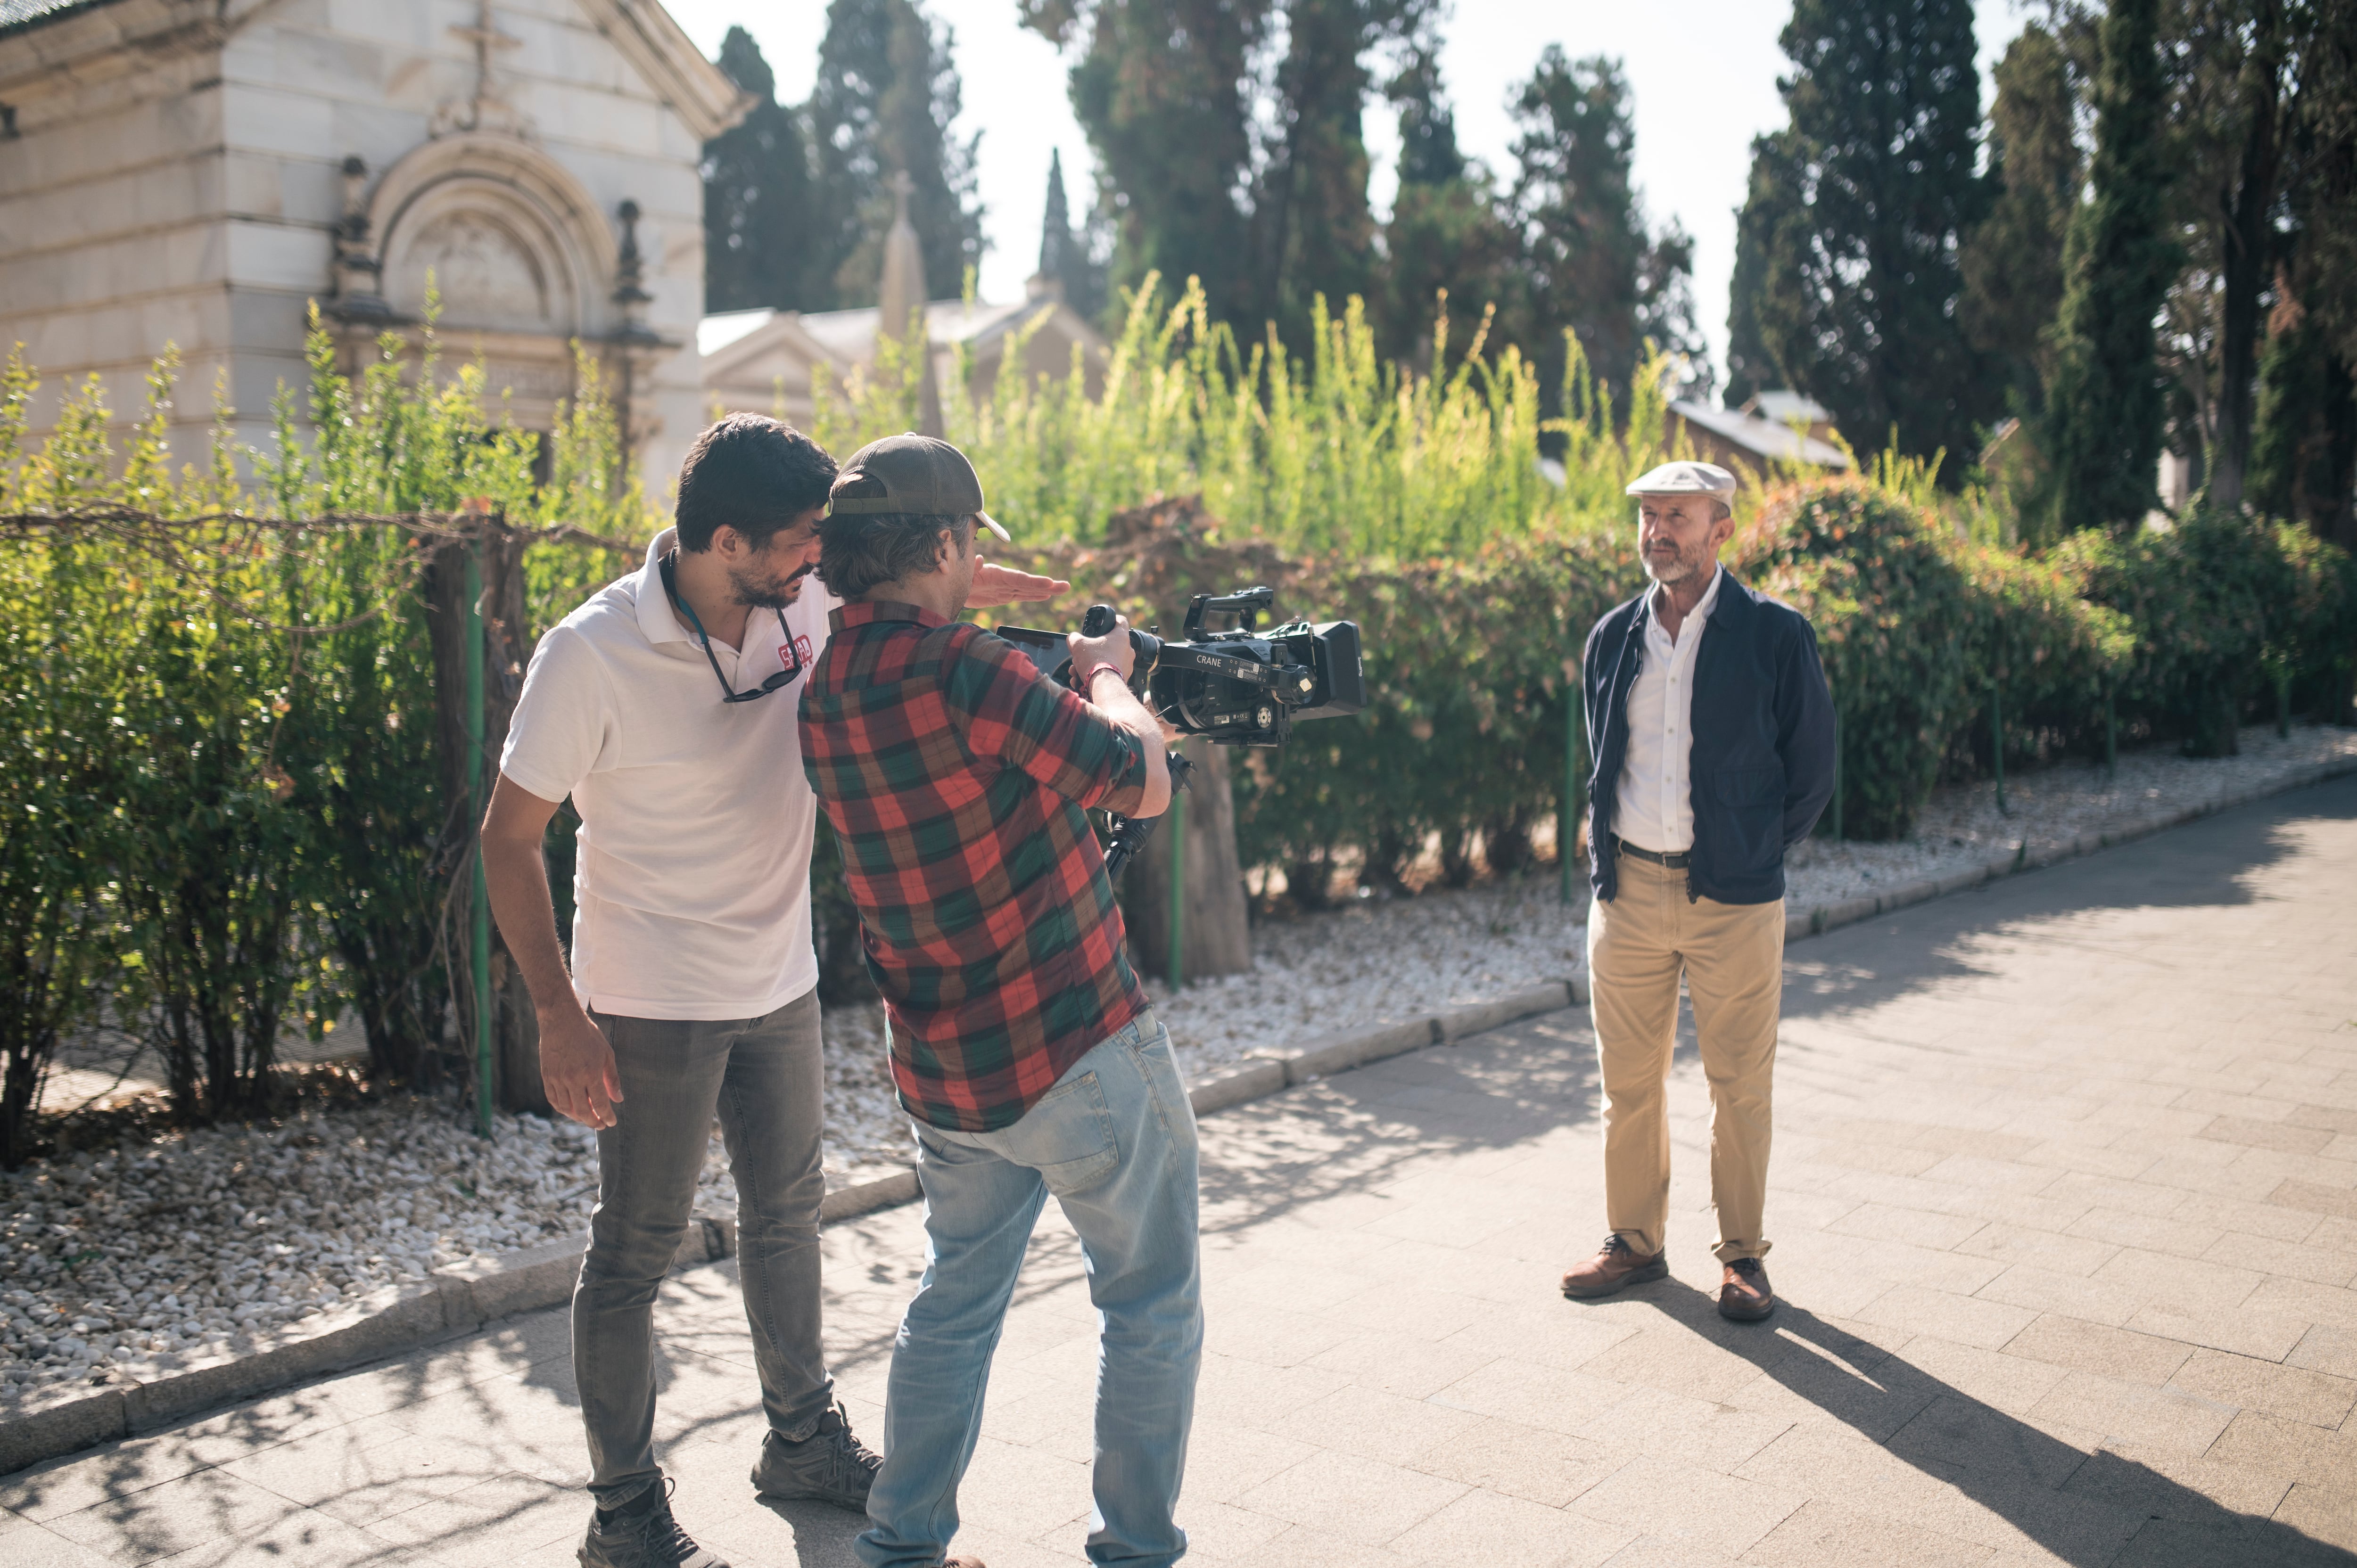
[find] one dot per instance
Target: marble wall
(177, 183)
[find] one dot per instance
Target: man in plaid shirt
(1024, 1049)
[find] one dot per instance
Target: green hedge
(2222, 607)
(1920, 631)
(222, 812)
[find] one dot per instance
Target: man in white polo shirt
(666, 708)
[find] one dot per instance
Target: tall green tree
(1067, 253)
(884, 100)
(1160, 86)
(1313, 233)
(1448, 228)
(2100, 434)
(2304, 443)
(1230, 136)
(1857, 301)
(2012, 261)
(1593, 267)
(758, 202)
(1772, 223)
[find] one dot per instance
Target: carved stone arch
(518, 245)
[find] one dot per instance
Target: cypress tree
(1312, 232)
(1065, 253)
(1594, 268)
(2101, 429)
(758, 199)
(1856, 299)
(886, 96)
(1171, 130)
(1446, 230)
(2013, 261)
(1772, 223)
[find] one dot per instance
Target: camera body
(1237, 686)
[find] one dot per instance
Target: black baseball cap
(919, 474)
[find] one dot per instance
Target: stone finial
(357, 268)
(630, 275)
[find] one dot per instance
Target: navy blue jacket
(1762, 765)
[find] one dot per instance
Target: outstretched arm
(996, 585)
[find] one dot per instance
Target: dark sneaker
(1744, 1293)
(642, 1534)
(1616, 1265)
(828, 1467)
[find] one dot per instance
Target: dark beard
(767, 595)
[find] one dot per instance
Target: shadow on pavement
(2208, 863)
(2083, 1507)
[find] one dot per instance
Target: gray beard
(1675, 570)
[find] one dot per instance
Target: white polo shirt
(692, 889)
(1653, 808)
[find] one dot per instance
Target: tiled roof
(19, 14)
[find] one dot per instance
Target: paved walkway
(2065, 1203)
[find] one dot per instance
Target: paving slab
(2063, 1213)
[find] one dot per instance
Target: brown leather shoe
(1744, 1293)
(1616, 1264)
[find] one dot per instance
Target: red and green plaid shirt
(955, 775)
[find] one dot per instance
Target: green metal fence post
(2283, 704)
(1996, 744)
(1176, 828)
(480, 905)
(2111, 738)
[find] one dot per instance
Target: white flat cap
(1685, 480)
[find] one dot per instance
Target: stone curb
(469, 1295)
(1822, 917)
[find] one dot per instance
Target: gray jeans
(764, 1079)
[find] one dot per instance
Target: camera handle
(1131, 834)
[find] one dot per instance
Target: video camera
(1237, 686)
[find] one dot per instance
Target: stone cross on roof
(490, 108)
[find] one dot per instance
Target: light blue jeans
(1114, 1141)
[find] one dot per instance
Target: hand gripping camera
(1236, 687)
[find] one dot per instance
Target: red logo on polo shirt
(801, 654)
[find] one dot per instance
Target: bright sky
(1702, 73)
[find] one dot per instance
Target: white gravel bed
(1960, 827)
(134, 1258)
(131, 1262)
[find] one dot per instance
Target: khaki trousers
(1732, 956)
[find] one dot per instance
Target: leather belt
(1677, 861)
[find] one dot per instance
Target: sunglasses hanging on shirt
(782, 678)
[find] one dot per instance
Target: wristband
(1089, 680)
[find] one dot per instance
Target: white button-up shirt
(1654, 807)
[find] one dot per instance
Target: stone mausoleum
(199, 172)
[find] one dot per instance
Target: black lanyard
(782, 678)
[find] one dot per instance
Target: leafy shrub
(1917, 628)
(2214, 601)
(224, 808)
(1882, 585)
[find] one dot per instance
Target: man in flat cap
(1713, 740)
